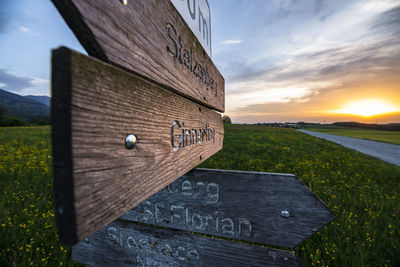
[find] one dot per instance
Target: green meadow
(362, 191)
(28, 234)
(392, 137)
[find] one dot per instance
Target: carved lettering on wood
(237, 204)
(130, 244)
(148, 37)
(94, 107)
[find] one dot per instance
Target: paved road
(383, 151)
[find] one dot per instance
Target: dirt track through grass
(391, 137)
(383, 151)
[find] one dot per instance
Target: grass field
(362, 191)
(28, 235)
(392, 137)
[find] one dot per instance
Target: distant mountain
(44, 99)
(23, 107)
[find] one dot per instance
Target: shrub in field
(226, 119)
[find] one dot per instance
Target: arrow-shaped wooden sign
(130, 244)
(118, 139)
(266, 208)
(148, 37)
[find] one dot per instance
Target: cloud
(351, 61)
(236, 67)
(313, 69)
(324, 66)
(12, 18)
(229, 42)
(26, 30)
(36, 80)
(15, 83)
(278, 11)
(389, 21)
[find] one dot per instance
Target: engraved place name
(185, 56)
(192, 205)
(190, 219)
(181, 137)
(183, 254)
(236, 204)
(131, 244)
(198, 190)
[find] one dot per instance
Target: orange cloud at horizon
(380, 107)
(377, 98)
(348, 73)
(317, 118)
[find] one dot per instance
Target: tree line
(8, 120)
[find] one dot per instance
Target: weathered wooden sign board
(267, 208)
(129, 244)
(151, 38)
(94, 107)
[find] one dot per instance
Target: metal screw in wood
(130, 141)
(285, 214)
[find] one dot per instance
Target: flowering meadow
(28, 234)
(362, 191)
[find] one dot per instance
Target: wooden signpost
(136, 115)
(94, 107)
(267, 208)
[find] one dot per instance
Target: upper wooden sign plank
(148, 37)
(267, 208)
(94, 107)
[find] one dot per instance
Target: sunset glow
(367, 108)
(281, 60)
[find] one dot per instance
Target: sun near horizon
(367, 108)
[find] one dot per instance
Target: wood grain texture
(237, 204)
(130, 244)
(94, 107)
(136, 37)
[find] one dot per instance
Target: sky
(282, 60)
